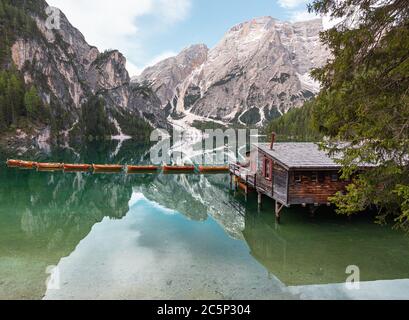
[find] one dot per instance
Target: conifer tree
(365, 101)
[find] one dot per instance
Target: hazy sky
(146, 31)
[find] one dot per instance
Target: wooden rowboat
(28, 164)
(107, 168)
(13, 163)
(174, 169)
(50, 166)
(77, 167)
(214, 169)
(142, 169)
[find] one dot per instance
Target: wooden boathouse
(289, 173)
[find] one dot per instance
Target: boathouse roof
(296, 155)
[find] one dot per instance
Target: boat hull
(28, 165)
(178, 169)
(142, 169)
(77, 167)
(107, 168)
(13, 163)
(216, 169)
(50, 166)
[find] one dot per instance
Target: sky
(147, 31)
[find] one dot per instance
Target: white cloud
(111, 24)
(174, 11)
(291, 4)
(304, 15)
(297, 10)
(135, 71)
(329, 23)
(159, 58)
(105, 23)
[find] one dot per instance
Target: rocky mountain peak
(165, 76)
(67, 72)
(259, 70)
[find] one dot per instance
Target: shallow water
(178, 237)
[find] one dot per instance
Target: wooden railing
(244, 174)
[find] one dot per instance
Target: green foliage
(33, 103)
(17, 104)
(95, 121)
(132, 125)
(11, 99)
(403, 193)
(143, 89)
(296, 125)
(103, 56)
(15, 22)
(364, 100)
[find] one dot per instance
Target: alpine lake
(180, 236)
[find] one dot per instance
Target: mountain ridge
(67, 72)
(258, 71)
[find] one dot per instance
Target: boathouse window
(297, 178)
(321, 177)
(314, 177)
(334, 177)
(268, 168)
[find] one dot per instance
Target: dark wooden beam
(278, 208)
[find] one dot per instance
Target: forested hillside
(56, 86)
(296, 125)
(18, 103)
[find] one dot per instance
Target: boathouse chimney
(273, 140)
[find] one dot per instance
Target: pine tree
(94, 118)
(364, 100)
(2, 9)
(33, 103)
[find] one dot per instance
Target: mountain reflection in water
(172, 236)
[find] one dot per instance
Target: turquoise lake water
(178, 237)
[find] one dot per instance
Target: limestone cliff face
(259, 70)
(168, 74)
(67, 71)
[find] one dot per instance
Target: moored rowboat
(77, 167)
(170, 169)
(28, 164)
(137, 169)
(50, 166)
(214, 169)
(13, 163)
(107, 168)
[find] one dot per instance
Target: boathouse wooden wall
(277, 186)
(313, 191)
(266, 186)
(280, 186)
(312, 187)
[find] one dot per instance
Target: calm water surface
(178, 237)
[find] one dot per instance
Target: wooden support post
(278, 209)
